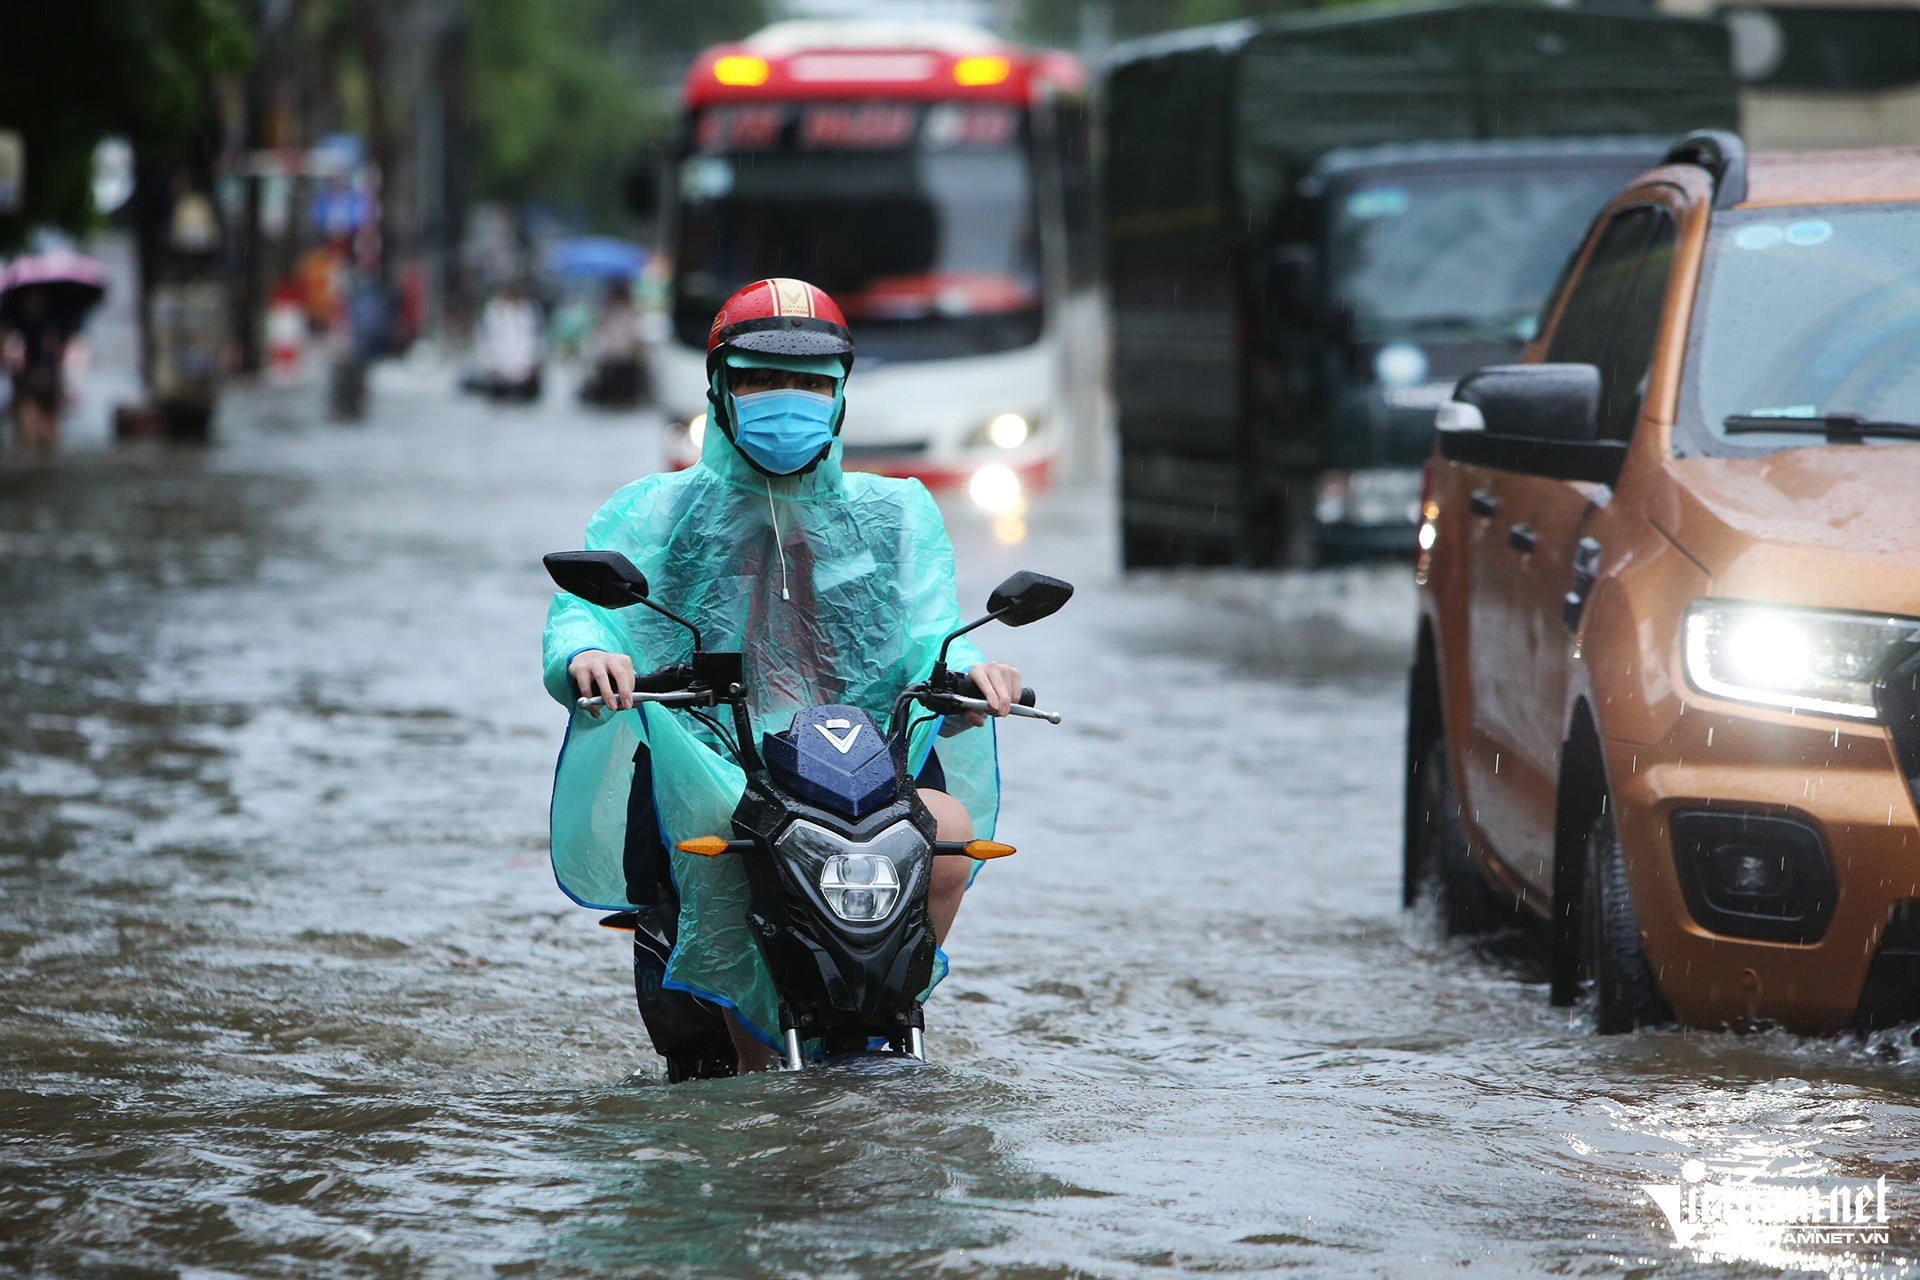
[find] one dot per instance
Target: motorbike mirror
(605, 578)
(608, 579)
(1025, 597)
(1028, 597)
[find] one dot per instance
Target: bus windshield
(1460, 253)
(918, 220)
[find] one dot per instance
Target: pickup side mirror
(1537, 419)
(1028, 597)
(1549, 401)
(605, 578)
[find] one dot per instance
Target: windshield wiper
(1839, 428)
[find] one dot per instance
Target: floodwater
(286, 988)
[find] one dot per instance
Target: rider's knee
(955, 822)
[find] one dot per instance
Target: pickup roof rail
(1723, 156)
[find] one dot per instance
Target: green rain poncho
(869, 594)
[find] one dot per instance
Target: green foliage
(75, 71)
(563, 93)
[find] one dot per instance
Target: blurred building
(1821, 74)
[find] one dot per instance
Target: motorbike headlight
(860, 886)
(861, 881)
(1800, 659)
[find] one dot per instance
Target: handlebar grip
(666, 680)
(966, 688)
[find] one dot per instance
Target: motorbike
(835, 842)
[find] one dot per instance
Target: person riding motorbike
(837, 588)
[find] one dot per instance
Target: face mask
(782, 431)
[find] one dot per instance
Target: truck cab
(1424, 261)
(1313, 222)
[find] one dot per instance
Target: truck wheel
(1438, 854)
(1620, 980)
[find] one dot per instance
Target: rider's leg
(37, 425)
(949, 873)
(752, 1055)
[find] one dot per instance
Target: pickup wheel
(1621, 984)
(1439, 856)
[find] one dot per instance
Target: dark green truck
(1315, 226)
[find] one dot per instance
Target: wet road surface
(286, 988)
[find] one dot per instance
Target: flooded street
(287, 989)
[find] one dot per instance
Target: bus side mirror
(640, 189)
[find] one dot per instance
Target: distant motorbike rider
(836, 588)
(511, 344)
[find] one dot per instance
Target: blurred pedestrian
(44, 301)
(511, 350)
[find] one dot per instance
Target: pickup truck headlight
(1800, 659)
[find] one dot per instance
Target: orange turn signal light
(978, 71)
(705, 846)
(738, 69)
(984, 849)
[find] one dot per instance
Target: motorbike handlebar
(679, 698)
(1018, 709)
(966, 688)
(666, 680)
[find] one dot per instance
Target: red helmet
(779, 318)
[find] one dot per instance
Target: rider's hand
(998, 683)
(609, 675)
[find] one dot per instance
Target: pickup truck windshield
(1466, 253)
(919, 221)
(1806, 330)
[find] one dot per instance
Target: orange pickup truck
(1667, 686)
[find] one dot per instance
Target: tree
(563, 93)
(75, 71)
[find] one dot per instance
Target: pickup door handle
(1521, 538)
(1481, 502)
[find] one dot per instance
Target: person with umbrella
(44, 301)
(618, 376)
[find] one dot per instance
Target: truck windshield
(918, 220)
(1806, 329)
(1467, 253)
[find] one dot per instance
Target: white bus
(935, 181)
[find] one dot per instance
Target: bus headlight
(1799, 659)
(1009, 431)
(1006, 431)
(995, 488)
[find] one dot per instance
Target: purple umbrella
(70, 283)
